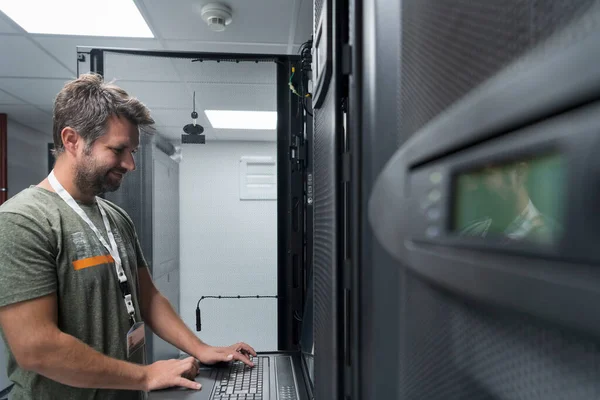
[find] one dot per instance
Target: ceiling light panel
(227, 119)
(118, 18)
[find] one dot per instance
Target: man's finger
(191, 362)
(192, 368)
(183, 382)
(247, 348)
(243, 358)
(196, 367)
(185, 367)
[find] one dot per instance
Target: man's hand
(168, 373)
(239, 351)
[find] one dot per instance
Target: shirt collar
(523, 223)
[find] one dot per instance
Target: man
(74, 285)
(500, 196)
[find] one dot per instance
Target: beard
(94, 179)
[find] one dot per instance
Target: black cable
(306, 108)
(198, 317)
(306, 59)
(304, 45)
(297, 316)
(305, 52)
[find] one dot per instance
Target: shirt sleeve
(141, 261)
(27, 259)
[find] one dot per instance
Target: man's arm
(40, 346)
(160, 316)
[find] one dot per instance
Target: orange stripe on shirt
(92, 262)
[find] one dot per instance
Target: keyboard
(241, 382)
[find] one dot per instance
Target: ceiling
(34, 67)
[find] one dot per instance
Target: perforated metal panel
(454, 349)
(449, 47)
(325, 247)
(317, 7)
(446, 346)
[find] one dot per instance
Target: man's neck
(522, 201)
(66, 177)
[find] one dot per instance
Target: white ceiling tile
(159, 94)
(6, 98)
(65, 47)
(235, 97)
(226, 47)
(47, 108)
(29, 116)
(305, 21)
(39, 92)
(169, 132)
(23, 58)
(253, 21)
(7, 25)
(177, 117)
(45, 128)
(141, 68)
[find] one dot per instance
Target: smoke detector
(216, 15)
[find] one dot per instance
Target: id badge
(136, 343)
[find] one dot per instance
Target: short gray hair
(87, 103)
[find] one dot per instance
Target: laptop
(275, 376)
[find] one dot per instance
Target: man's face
(500, 180)
(101, 168)
(499, 194)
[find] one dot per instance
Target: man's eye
(117, 151)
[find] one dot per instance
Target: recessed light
(227, 119)
(120, 18)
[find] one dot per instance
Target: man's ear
(71, 140)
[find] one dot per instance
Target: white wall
(228, 246)
(27, 165)
(27, 156)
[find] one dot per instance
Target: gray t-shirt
(46, 247)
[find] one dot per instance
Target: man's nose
(128, 162)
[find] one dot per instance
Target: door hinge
(348, 274)
(298, 150)
(346, 167)
(347, 59)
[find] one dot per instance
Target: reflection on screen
(519, 201)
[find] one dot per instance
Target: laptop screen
(306, 337)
